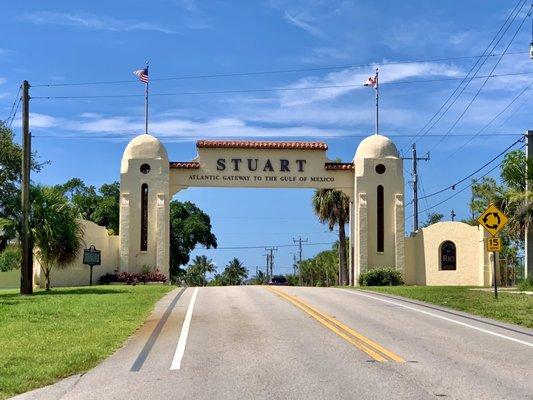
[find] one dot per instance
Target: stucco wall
(77, 274)
(423, 258)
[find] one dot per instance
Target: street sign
(493, 219)
(494, 244)
(91, 257)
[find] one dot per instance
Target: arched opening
(448, 256)
(380, 220)
(144, 217)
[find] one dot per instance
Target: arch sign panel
(261, 164)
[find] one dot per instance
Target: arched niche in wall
(448, 256)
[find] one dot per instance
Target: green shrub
(526, 284)
(10, 258)
(294, 280)
(381, 277)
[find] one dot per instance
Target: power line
(262, 247)
(15, 112)
(451, 96)
(486, 80)
(460, 191)
(11, 115)
(275, 89)
(490, 122)
(270, 72)
(189, 139)
(473, 173)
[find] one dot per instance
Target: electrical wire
(188, 139)
(211, 92)
(15, 113)
(451, 96)
(10, 115)
(473, 173)
(489, 123)
(460, 191)
(269, 72)
(484, 82)
(262, 247)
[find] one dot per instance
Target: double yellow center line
(373, 349)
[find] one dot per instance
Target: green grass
(510, 307)
(49, 336)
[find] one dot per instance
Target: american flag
(142, 74)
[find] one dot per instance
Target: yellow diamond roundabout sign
(493, 219)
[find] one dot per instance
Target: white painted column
(162, 234)
(362, 237)
(124, 232)
(399, 233)
(351, 261)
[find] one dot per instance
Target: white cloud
(2, 80)
(93, 22)
(90, 115)
(42, 121)
(175, 129)
(303, 22)
(339, 83)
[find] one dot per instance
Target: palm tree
(200, 267)
(333, 208)
(56, 233)
(235, 272)
(517, 200)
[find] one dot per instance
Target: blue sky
(58, 42)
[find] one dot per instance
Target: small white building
(446, 253)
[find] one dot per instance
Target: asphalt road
(252, 342)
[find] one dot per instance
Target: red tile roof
(332, 166)
(185, 164)
(238, 144)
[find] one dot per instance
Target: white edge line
(182, 342)
(441, 317)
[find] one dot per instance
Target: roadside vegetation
(510, 307)
(52, 335)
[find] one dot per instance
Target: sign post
(493, 220)
(91, 257)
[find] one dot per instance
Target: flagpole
(377, 102)
(146, 103)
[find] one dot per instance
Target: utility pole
(267, 265)
(26, 276)
(300, 241)
(528, 264)
(453, 215)
(270, 259)
(294, 263)
(414, 174)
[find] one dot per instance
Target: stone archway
(149, 180)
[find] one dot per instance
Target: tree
(259, 278)
(517, 202)
(433, 218)
(56, 233)
(197, 271)
(10, 174)
(235, 272)
(333, 207)
(99, 206)
(189, 226)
